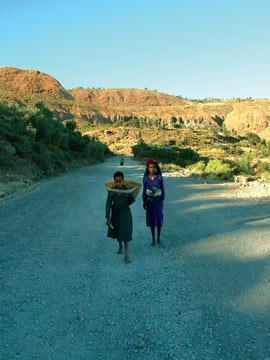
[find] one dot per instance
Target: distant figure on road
(121, 161)
(118, 214)
(153, 197)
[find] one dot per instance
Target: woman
(118, 214)
(153, 197)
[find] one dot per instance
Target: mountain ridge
(96, 106)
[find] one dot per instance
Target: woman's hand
(108, 222)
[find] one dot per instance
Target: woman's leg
(153, 236)
(120, 250)
(127, 259)
(158, 235)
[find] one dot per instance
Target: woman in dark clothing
(153, 197)
(118, 214)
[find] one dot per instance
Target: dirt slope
(32, 81)
(125, 97)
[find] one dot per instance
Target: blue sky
(192, 48)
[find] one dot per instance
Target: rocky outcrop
(254, 117)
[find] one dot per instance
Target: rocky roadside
(11, 184)
(26, 178)
(241, 187)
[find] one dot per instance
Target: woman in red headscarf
(153, 197)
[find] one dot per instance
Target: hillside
(31, 81)
(125, 97)
(108, 106)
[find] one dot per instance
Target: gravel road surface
(66, 294)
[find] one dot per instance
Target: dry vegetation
(221, 153)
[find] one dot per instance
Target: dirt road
(66, 294)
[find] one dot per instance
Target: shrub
(38, 136)
(43, 160)
(263, 167)
(265, 150)
(233, 150)
(243, 165)
(5, 160)
(186, 156)
(173, 155)
(244, 143)
(71, 125)
(198, 167)
(140, 150)
(75, 143)
(24, 146)
(253, 138)
(217, 169)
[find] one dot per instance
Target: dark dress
(117, 208)
(154, 204)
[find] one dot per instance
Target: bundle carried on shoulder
(130, 186)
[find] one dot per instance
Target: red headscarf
(148, 162)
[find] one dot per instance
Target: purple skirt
(154, 212)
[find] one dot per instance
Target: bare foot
(120, 251)
(153, 243)
(127, 260)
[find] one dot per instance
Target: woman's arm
(131, 199)
(162, 189)
(144, 196)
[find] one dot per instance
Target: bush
(186, 156)
(243, 165)
(265, 150)
(198, 167)
(233, 150)
(263, 167)
(43, 160)
(244, 143)
(71, 125)
(140, 150)
(217, 169)
(253, 138)
(5, 160)
(24, 146)
(174, 155)
(39, 137)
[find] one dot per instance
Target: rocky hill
(125, 97)
(110, 105)
(31, 81)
